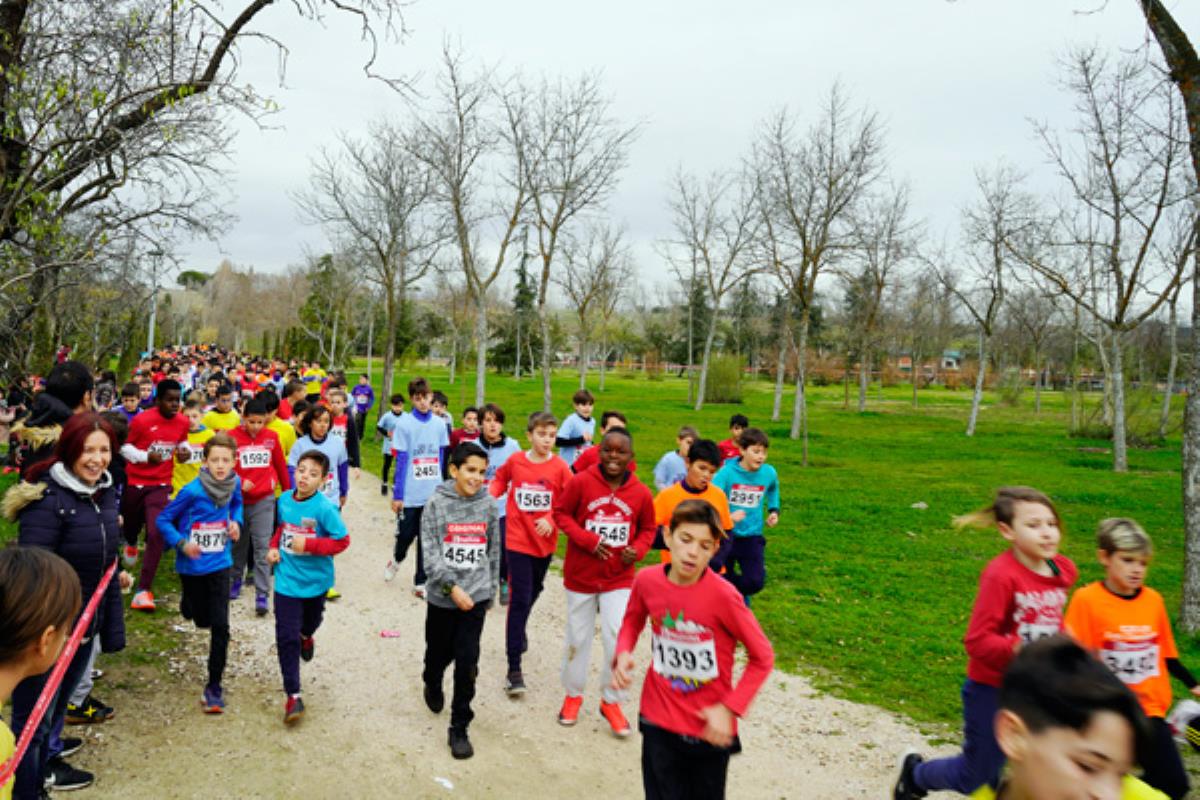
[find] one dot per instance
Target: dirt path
(367, 732)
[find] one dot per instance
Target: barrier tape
(8, 768)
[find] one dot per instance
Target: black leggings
(206, 602)
(1162, 764)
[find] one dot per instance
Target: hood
(447, 489)
(486, 445)
(19, 496)
(47, 410)
(594, 475)
(69, 481)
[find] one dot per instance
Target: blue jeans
(981, 758)
(27, 784)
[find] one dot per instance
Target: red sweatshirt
(1014, 604)
(534, 490)
(590, 458)
(695, 630)
(728, 449)
(150, 431)
(460, 435)
(590, 512)
(260, 460)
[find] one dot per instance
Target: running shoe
(568, 715)
(616, 719)
(70, 746)
(91, 710)
(906, 788)
(503, 593)
(514, 684)
(97, 674)
(383, 487)
(460, 745)
(294, 710)
(143, 601)
(307, 648)
(435, 699)
(213, 700)
(129, 556)
(260, 605)
(235, 589)
(419, 591)
(389, 572)
(332, 594)
(62, 777)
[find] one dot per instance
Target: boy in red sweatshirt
(608, 516)
(261, 466)
(689, 709)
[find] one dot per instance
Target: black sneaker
(62, 777)
(514, 684)
(383, 489)
(70, 745)
(435, 699)
(460, 745)
(906, 788)
(307, 648)
(91, 710)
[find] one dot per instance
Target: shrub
(724, 383)
(1012, 385)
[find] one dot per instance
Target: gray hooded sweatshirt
(460, 542)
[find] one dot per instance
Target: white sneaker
(419, 591)
(389, 572)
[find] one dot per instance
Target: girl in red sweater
(1021, 597)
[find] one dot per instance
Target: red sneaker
(616, 718)
(569, 714)
(143, 601)
(293, 710)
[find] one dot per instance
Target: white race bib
(254, 457)
(612, 530)
(685, 655)
(465, 545)
(1132, 662)
(290, 532)
(533, 498)
(210, 536)
(195, 454)
(339, 431)
(426, 469)
(745, 495)
(164, 449)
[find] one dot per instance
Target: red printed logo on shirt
(1038, 614)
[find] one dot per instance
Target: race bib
(254, 457)
(164, 449)
(426, 469)
(339, 431)
(745, 495)
(290, 532)
(209, 536)
(465, 544)
(1132, 662)
(1032, 632)
(533, 498)
(330, 488)
(612, 530)
(685, 655)
(195, 454)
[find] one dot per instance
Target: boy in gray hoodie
(460, 542)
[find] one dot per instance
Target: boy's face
(735, 431)
(337, 404)
(615, 455)
(320, 426)
(193, 417)
(253, 423)
(438, 407)
(1124, 570)
(1061, 763)
(129, 403)
(219, 462)
(144, 391)
(685, 444)
(471, 421)
(211, 387)
(754, 456)
(362, 380)
(422, 402)
(297, 394)
(469, 478)
(224, 403)
(492, 427)
(309, 477)
(1033, 533)
(692, 546)
(584, 409)
(699, 474)
(397, 408)
(169, 402)
(542, 439)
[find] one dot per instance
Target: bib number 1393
(685, 655)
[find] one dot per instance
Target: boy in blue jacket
(201, 524)
(751, 486)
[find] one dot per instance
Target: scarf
(218, 492)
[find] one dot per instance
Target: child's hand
(622, 671)
(124, 579)
(587, 437)
(341, 502)
(772, 519)
(628, 555)
(235, 531)
(718, 725)
(191, 550)
(602, 551)
(461, 599)
(154, 457)
(297, 545)
(247, 486)
(544, 527)
(738, 516)
(182, 452)
(397, 506)
(273, 555)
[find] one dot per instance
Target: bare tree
(1183, 244)
(1031, 311)
(595, 269)
(927, 320)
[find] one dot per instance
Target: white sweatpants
(581, 630)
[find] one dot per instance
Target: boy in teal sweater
(751, 486)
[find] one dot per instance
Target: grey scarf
(218, 491)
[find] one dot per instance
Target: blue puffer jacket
(58, 514)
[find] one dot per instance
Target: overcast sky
(956, 84)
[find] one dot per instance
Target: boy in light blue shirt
(672, 467)
(576, 432)
(385, 428)
(751, 486)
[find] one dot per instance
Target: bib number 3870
(689, 656)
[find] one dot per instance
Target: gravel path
(367, 732)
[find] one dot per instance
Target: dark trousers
(408, 531)
(526, 577)
(678, 767)
(981, 759)
(387, 467)
(453, 635)
(503, 550)
(206, 603)
(1162, 764)
(360, 421)
(27, 783)
(141, 505)
(745, 566)
(295, 617)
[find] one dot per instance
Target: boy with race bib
(314, 429)
(608, 516)
(201, 524)
(690, 705)
(533, 480)
(310, 534)
(499, 448)
(1125, 624)
(185, 471)
(460, 537)
(751, 486)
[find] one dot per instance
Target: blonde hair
(1123, 534)
(1003, 508)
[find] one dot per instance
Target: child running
(343, 426)
(578, 428)
(310, 534)
(498, 448)
(1125, 623)
(469, 432)
(672, 466)
(751, 485)
(201, 524)
(609, 420)
(385, 428)
(460, 536)
(703, 461)
(262, 467)
(1021, 597)
(608, 516)
(689, 708)
(185, 471)
(314, 427)
(729, 447)
(223, 416)
(533, 481)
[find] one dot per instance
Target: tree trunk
(708, 341)
(799, 428)
(603, 356)
(780, 368)
(370, 340)
(977, 397)
(1120, 457)
(1037, 381)
(1190, 612)
(1165, 418)
(481, 332)
(390, 323)
(1075, 412)
(583, 360)
(690, 343)
(547, 361)
(864, 377)
(916, 376)
(453, 355)
(1106, 367)
(517, 368)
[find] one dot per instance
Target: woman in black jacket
(67, 505)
